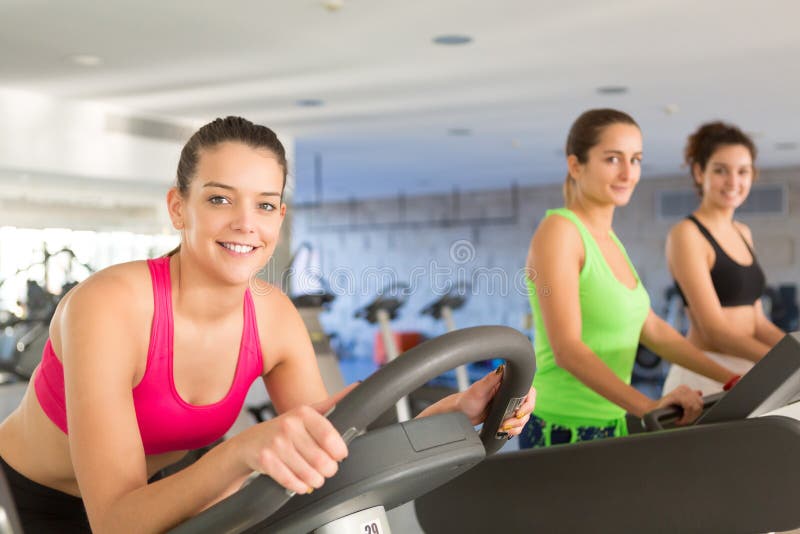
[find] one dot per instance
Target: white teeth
(239, 249)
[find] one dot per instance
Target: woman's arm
(292, 376)
(688, 261)
(766, 331)
(296, 449)
(662, 339)
(474, 403)
(556, 256)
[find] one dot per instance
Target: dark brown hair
(702, 144)
(219, 131)
(216, 132)
(585, 133)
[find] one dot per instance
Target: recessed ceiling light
(786, 145)
(671, 109)
(85, 60)
(333, 5)
(309, 102)
(612, 90)
(459, 131)
(452, 39)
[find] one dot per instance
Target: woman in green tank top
(589, 307)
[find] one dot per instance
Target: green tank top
(612, 316)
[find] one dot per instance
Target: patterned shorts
(534, 433)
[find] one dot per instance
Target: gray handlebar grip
(263, 496)
(655, 420)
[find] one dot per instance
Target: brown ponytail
(568, 190)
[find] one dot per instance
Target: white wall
(71, 164)
(44, 135)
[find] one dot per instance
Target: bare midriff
(740, 319)
(42, 454)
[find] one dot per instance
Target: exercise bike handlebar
(420, 364)
(263, 496)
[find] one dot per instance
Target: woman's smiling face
(727, 177)
(232, 214)
(613, 166)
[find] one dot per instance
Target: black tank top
(735, 284)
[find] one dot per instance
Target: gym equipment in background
(382, 311)
(649, 372)
(442, 309)
(23, 337)
(9, 522)
(783, 309)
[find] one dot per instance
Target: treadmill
(734, 471)
(386, 467)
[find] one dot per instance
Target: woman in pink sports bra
(151, 358)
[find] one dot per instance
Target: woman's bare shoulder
(556, 234)
(281, 329)
(685, 236)
(557, 224)
(270, 300)
(115, 301)
(124, 289)
(684, 228)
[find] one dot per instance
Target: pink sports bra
(166, 421)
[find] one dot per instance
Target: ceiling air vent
(764, 199)
(150, 128)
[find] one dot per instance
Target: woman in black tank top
(711, 257)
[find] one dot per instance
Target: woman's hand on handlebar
(299, 449)
(474, 403)
(690, 400)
